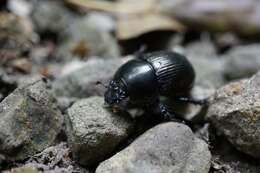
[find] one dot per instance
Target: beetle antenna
(140, 51)
(100, 83)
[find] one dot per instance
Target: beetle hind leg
(166, 113)
(193, 100)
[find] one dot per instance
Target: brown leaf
(81, 49)
(23, 65)
(136, 26)
(133, 20)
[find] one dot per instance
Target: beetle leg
(167, 114)
(193, 100)
(140, 51)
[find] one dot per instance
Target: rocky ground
(52, 114)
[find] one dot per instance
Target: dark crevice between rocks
(3, 5)
(47, 36)
(9, 164)
(6, 88)
(227, 157)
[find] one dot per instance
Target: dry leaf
(22, 64)
(136, 26)
(81, 49)
(134, 17)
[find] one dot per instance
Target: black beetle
(140, 83)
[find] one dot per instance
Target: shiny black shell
(158, 73)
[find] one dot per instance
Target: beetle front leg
(166, 114)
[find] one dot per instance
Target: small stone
(235, 113)
(242, 61)
(20, 7)
(23, 170)
(169, 147)
(204, 47)
(209, 70)
(102, 21)
(82, 81)
(93, 132)
(51, 16)
(16, 36)
(29, 121)
(83, 39)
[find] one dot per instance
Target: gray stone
(235, 112)
(208, 68)
(102, 21)
(169, 147)
(16, 37)
(83, 39)
(51, 16)
(82, 81)
(20, 7)
(37, 168)
(242, 61)
(23, 169)
(203, 47)
(93, 132)
(29, 121)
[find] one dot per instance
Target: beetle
(142, 81)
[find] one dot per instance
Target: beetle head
(115, 95)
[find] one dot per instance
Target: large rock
(242, 61)
(29, 121)
(82, 81)
(93, 132)
(235, 112)
(169, 147)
